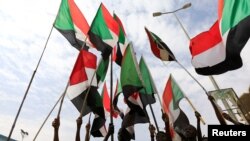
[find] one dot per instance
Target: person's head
(189, 131)
(204, 139)
(161, 136)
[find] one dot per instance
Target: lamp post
(217, 111)
(184, 30)
(178, 20)
(161, 13)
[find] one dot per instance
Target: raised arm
(79, 124)
(56, 124)
(87, 136)
(167, 127)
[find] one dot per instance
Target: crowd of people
(189, 133)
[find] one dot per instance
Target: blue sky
(25, 26)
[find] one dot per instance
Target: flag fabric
(83, 71)
(98, 127)
(118, 91)
(131, 80)
(119, 50)
(147, 93)
(106, 101)
(126, 134)
(102, 71)
(218, 50)
(130, 119)
(71, 23)
(79, 86)
(170, 99)
(104, 31)
(159, 48)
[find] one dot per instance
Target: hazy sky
(25, 26)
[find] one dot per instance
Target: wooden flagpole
(47, 117)
(30, 82)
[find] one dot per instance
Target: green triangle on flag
(147, 93)
(102, 71)
(104, 31)
(131, 79)
(71, 23)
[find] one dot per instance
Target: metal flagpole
(217, 111)
(47, 117)
(155, 89)
(111, 94)
(150, 105)
(59, 111)
(182, 27)
(219, 115)
(133, 56)
(152, 111)
(60, 107)
(30, 82)
(191, 104)
(85, 98)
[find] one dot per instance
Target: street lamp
(178, 20)
(161, 13)
(218, 114)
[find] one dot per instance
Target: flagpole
(217, 111)
(85, 98)
(221, 119)
(150, 105)
(47, 117)
(189, 38)
(111, 94)
(146, 113)
(152, 111)
(211, 99)
(60, 107)
(89, 118)
(191, 104)
(140, 77)
(64, 93)
(155, 89)
(182, 27)
(30, 82)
